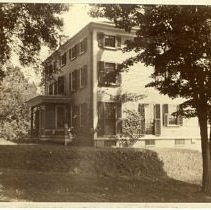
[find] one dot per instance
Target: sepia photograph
(105, 104)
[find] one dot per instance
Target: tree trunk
(206, 176)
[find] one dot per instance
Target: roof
(91, 25)
(54, 99)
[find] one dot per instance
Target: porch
(50, 115)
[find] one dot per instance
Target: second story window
(61, 85)
(64, 59)
(83, 46)
(109, 41)
(107, 74)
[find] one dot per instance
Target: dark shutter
(118, 41)
(118, 116)
(85, 44)
(70, 82)
(70, 54)
(100, 72)
(85, 75)
(77, 79)
(119, 75)
(157, 119)
(100, 39)
(73, 81)
(100, 124)
(55, 88)
(77, 50)
(179, 118)
(141, 110)
(165, 114)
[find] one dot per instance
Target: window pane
(110, 41)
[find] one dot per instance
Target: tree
(176, 40)
(25, 27)
(14, 112)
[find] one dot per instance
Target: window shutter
(85, 44)
(165, 114)
(119, 120)
(70, 82)
(77, 79)
(119, 75)
(74, 80)
(179, 118)
(70, 54)
(100, 72)
(100, 39)
(141, 110)
(77, 50)
(157, 119)
(55, 88)
(100, 124)
(85, 75)
(118, 41)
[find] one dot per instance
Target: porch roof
(55, 99)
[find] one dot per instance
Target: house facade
(81, 87)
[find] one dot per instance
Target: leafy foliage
(132, 128)
(175, 40)
(25, 27)
(14, 112)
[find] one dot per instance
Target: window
(107, 74)
(179, 141)
(149, 142)
(169, 116)
(109, 41)
(50, 89)
(73, 52)
(83, 76)
(109, 114)
(50, 70)
(61, 85)
(64, 59)
(83, 46)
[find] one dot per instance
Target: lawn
(55, 173)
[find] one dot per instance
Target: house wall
(134, 81)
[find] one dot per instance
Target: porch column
(42, 110)
(32, 120)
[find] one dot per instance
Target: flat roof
(53, 99)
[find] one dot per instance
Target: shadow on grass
(25, 175)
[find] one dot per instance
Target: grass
(56, 173)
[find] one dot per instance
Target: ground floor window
(149, 142)
(108, 118)
(179, 141)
